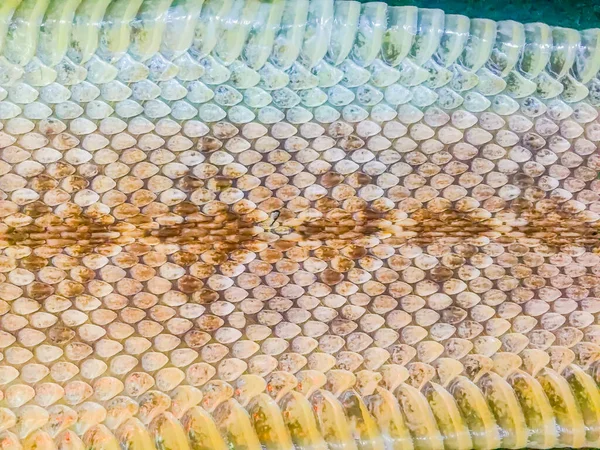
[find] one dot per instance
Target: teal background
(579, 14)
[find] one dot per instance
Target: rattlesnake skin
(246, 224)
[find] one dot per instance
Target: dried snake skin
(252, 224)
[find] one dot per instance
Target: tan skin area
(229, 230)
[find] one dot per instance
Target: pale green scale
(234, 30)
(7, 10)
(55, 32)
(573, 91)
(564, 51)
(242, 76)
(288, 41)
(587, 62)
(398, 39)
(317, 32)
(354, 75)
(463, 80)
(571, 427)
(419, 418)
(181, 21)
(208, 27)
(300, 422)
(240, 115)
(85, 31)
(235, 425)
(448, 99)
(168, 433)
(332, 422)
(383, 75)
(489, 82)
(369, 36)
(480, 44)
(429, 34)
(327, 74)
(451, 424)
(362, 423)
(256, 97)
(518, 86)
(438, 76)
(547, 86)
(147, 29)
(133, 435)
(587, 395)
(345, 22)
(273, 78)
(116, 30)
(262, 34)
(536, 409)
(504, 105)
(475, 411)
(268, 422)
(537, 50)
(301, 78)
(385, 409)
(23, 31)
(510, 39)
(312, 98)
(214, 72)
(456, 34)
(505, 407)
(201, 430)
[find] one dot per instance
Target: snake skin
(252, 224)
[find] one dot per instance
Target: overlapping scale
(295, 224)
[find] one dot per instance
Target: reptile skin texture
(294, 224)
